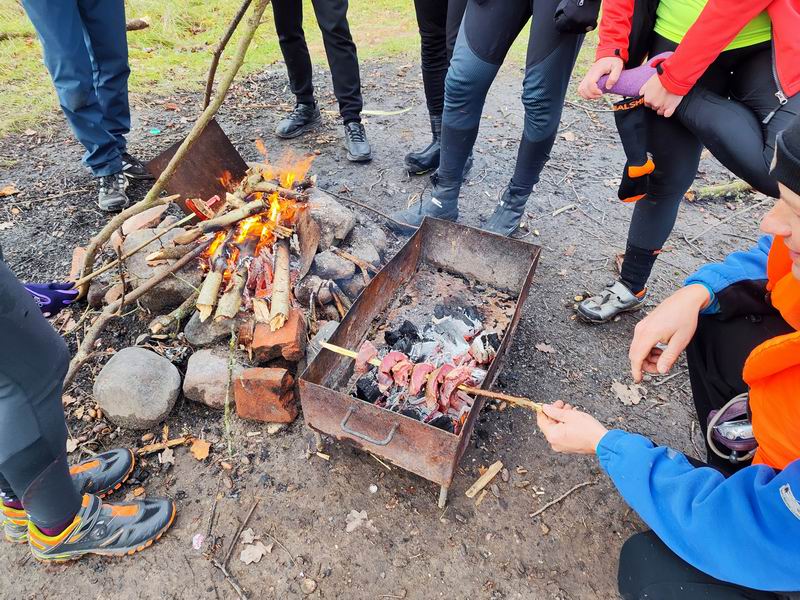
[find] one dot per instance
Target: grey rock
(367, 230)
(335, 221)
(353, 286)
(171, 292)
(323, 335)
(206, 378)
(167, 221)
(308, 285)
(328, 265)
(137, 388)
(361, 247)
(201, 335)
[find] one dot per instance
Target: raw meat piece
(453, 379)
(366, 353)
(385, 379)
(418, 377)
(401, 372)
(434, 383)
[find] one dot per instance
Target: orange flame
(226, 179)
(290, 168)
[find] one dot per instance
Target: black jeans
(723, 112)
(716, 356)
(438, 22)
(33, 433)
(339, 47)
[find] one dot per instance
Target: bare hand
(658, 98)
(569, 430)
(673, 323)
(611, 66)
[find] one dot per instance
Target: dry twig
(574, 488)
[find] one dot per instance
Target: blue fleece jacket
(744, 529)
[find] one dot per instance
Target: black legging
(723, 112)
(33, 433)
(487, 31)
(438, 22)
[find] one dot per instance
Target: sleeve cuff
(670, 83)
(605, 52)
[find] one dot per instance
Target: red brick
(288, 342)
(265, 395)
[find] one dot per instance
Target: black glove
(577, 16)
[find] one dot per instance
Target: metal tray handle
(364, 436)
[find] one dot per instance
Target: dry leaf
(546, 348)
(144, 219)
(167, 457)
(248, 536)
(253, 553)
(568, 136)
(8, 190)
(629, 395)
(6, 225)
(72, 445)
(200, 449)
(66, 400)
(356, 519)
(171, 106)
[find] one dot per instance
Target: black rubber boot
(508, 213)
(426, 160)
(442, 204)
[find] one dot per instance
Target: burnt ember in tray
(447, 304)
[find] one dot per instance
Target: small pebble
(226, 465)
(373, 489)
(308, 586)
(504, 475)
(495, 490)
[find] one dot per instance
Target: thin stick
(369, 208)
(150, 448)
(516, 400)
(561, 497)
(364, 265)
(236, 537)
(277, 541)
(223, 42)
(230, 579)
(271, 188)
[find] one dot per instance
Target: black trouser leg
(432, 23)
(342, 56)
(716, 356)
(33, 362)
(649, 570)
(288, 16)
(455, 14)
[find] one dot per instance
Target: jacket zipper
(779, 94)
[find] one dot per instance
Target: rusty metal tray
(501, 263)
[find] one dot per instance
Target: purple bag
(730, 427)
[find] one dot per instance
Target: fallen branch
(271, 188)
(279, 311)
(722, 189)
(152, 197)
(574, 488)
(230, 579)
(163, 322)
(236, 537)
(110, 312)
(171, 253)
(223, 221)
(220, 48)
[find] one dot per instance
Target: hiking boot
(508, 213)
(134, 168)
(355, 140)
(105, 529)
(442, 204)
(100, 475)
(297, 122)
(424, 161)
(615, 299)
(111, 196)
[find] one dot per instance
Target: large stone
(367, 230)
(202, 334)
(353, 286)
(171, 292)
(265, 395)
(137, 388)
(335, 221)
(329, 265)
(288, 342)
(312, 284)
(362, 248)
(206, 379)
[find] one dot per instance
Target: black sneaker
(134, 168)
(355, 140)
(300, 120)
(111, 196)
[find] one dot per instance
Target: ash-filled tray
(445, 270)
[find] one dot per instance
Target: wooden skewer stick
(516, 400)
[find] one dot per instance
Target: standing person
(717, 531)
(57, 510)
(730, 85)
(487, 31)
(86, 51)
(343, 62)
(438, 22)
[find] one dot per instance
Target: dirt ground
(412, 549)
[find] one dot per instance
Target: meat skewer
(515, 400)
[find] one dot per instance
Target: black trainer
(112, 196)
(355, 140)
(134, 168)
(442, 204)
(508, 213)
(300, 120)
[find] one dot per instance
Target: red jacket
(717, 26)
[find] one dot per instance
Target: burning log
(272, 188)
(231, 300)
(279, 311)
(207, 299)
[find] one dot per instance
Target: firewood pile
(278, 258)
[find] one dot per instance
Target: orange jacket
(773, 370)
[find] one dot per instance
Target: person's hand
(611, 66)
(673, 324)
(657, 97)
(570, 430)
(52, 297)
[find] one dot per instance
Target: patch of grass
(174, 52)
